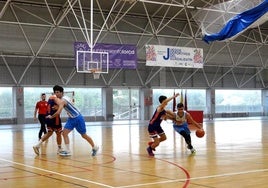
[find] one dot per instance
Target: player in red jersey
(41, 108)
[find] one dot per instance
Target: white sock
(39, 143)
(95, 147)
(67, 147)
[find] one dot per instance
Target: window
(6, 103)
(238, 101)
(87, 100)
(196, 98)
(126, 103)
(31, 97)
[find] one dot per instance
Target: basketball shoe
(193, 150)
(150, 143)
(65, 153)
(36, 150)
(150, 151)
(59, 150)
(95, 150)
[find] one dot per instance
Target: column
(18, 96)
(146, 102)
(107, 99)
(210, 98)
(265, 102)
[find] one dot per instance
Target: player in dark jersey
(155, 130)
(53, 125)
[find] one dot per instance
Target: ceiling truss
(170, 23)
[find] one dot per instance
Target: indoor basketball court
(233, 153)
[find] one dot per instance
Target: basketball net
(95, 72)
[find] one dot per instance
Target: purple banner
(120, 56)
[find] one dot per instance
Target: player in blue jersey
(180, 124)
(155, 130)
(53, 125)
(75, 120)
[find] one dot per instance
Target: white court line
(197, 178)
(56, 173)
(136, 185)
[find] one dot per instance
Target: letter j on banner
(170, 56)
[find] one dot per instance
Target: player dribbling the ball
(180, 125)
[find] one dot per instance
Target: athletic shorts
(183, 127)
(78, 123)
(155, 130)
(54, 124)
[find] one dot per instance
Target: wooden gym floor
(233, 153)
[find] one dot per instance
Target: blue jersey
(180, 124)
(179, 120)
(72, 111)
(75, 119)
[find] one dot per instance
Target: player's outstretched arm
(170, 115)
(164, 103)
(60, 104)
(190, 119)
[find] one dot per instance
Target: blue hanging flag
(238, 23)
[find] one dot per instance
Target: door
(126, 104)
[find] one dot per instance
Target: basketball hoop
(96, 73)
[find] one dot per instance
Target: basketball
(199, 133)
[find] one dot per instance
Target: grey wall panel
(5, 77)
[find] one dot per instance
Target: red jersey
(42, 107)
